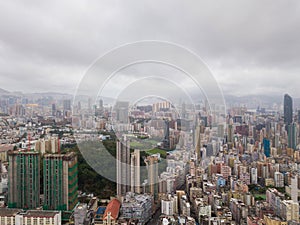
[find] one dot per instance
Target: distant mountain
(3, 92)
(50, 93)
(55, 95)
(250, 101)
(254, 98)
(262, 101)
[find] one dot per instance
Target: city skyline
(147, 165)
(250, 101)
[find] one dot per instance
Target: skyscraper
(288, 109)
(70, 180)
(24, 180)
(267, 148)
(121, 109)
(53, 109)
(294, 188)
(198, 142)
(253, 175)
(123, 167)
(230, 133)
(67, 105)
(101, 104)
(279, 179)
(152, 166)
(221, 130)
(89, 103)
(292, 136)
(166, 140)
(135, 172)
(60, 181)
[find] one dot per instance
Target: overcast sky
(251, 47)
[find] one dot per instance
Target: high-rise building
(277, 140)
(289, 210)
(279, 179)
(253, 175)
(152, 166)
(267, 148)
(292, 136)
(166, 140)
(183, 111)
(51, 145)
(122, 110)
(53, 109)
(225, 171)
(60, 181)
(24, 180)
(294, 188)
(230, 133)
(89, 103)
(198, 142)
(67, 105)
(123, 167)
(70, 164)
(101, 104)
(169, 205)
(19, 110)
(135, 172)
(288, 109)
(221, 130)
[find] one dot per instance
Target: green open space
(260, 197)
(163, 153)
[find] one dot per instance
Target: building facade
(123, 167)
(24, 180)
(60, 181)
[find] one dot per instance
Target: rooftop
(9, 212)
(6, 147)
(23, 152)
(113, 207)
(40, 213)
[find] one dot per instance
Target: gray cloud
(251, 47)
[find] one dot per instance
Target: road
(155, 218)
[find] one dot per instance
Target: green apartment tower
(60, 181)
(24, 179)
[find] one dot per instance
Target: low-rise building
(137, 207)
(30, 217)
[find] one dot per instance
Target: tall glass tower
(288, 109)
